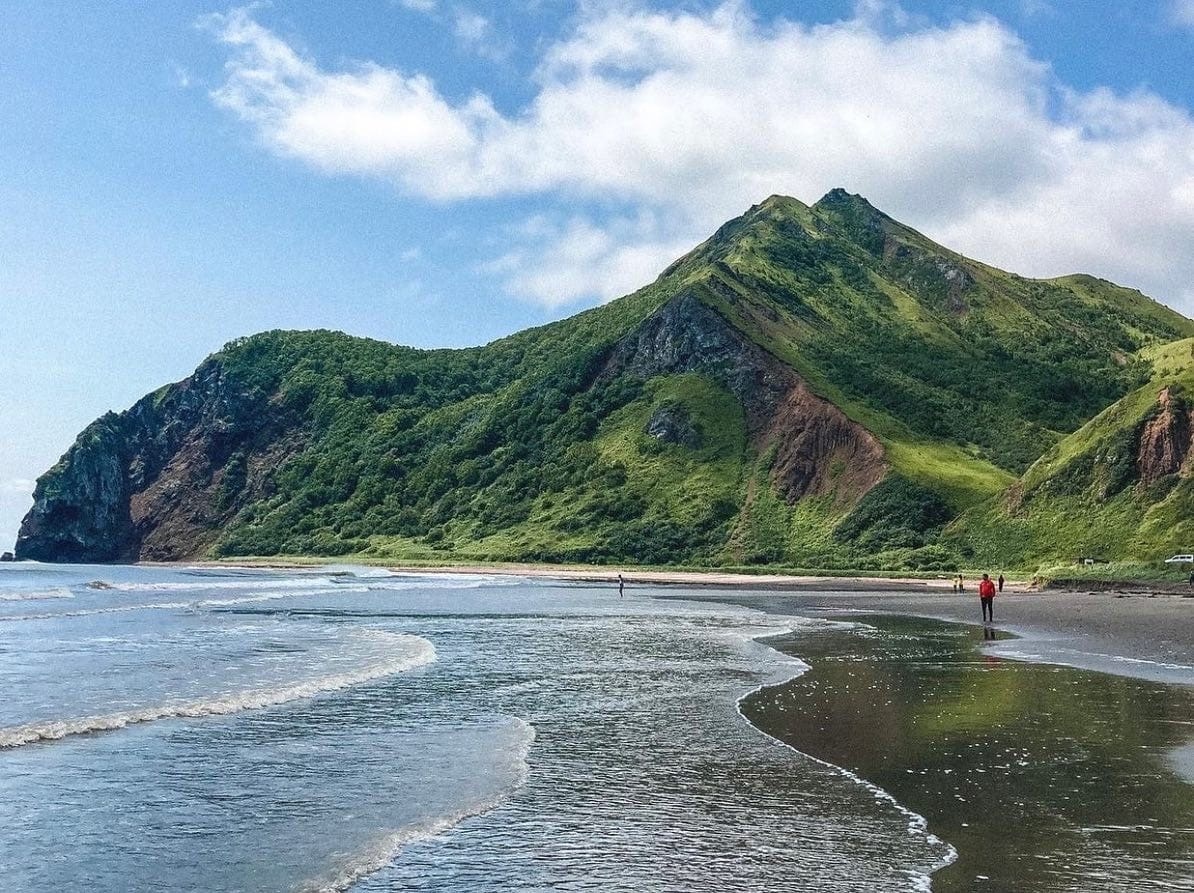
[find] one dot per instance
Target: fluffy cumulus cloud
(558, 260)
(683, 119)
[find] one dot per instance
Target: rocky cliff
(157, 481)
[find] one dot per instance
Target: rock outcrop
(156, 482)
(673, 424)
(1166, 439)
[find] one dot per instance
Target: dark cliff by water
(814, 386)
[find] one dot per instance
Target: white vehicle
(1185, 558)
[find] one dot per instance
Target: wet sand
(1043, 778)
(1139, 636)
(1068, 767)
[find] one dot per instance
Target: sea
(346, 728)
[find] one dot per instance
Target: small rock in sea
(99, 584)
(6, 556)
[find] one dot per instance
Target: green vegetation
(1007, 411)
(1115, 572)
(1085, 497)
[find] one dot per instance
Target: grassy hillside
(1092, 494)
(814, 385)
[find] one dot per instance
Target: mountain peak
(848, 206)
(838, 198)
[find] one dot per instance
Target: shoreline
(1141, 633)
(700, 579)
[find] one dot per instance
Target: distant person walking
(961, 588)
(1000, 581)
(986, 595)
(621, 587)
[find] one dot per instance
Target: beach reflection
(1045, 778)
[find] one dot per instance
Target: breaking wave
(409, 652)
(196, 605)
(35, 595)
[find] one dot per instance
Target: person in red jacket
(986, 595)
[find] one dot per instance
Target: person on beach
(621, 587)
(986, 595)
(961, 588)
(1000, 582)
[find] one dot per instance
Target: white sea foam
(446, 580)
(917, 824)
(403, 652)
(204, 585)
(35, 595)
(196, 605)
(386, 849)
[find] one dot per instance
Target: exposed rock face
(819, 450)
(157, 481)
(672, 424)
(1167, 439)
(686, 335)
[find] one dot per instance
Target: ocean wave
(409, 652)
(457, 580)
(386, 849)
(196, 605)
(206, 584)
(35, 595)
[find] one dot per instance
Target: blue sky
(176, 174)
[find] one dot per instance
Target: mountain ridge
(824, 372)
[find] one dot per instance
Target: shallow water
(168, 729)
(1045, 778)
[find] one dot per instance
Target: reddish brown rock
(1167, 439)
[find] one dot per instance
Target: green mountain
(812, 386)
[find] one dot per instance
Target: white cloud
(470, 26)
(418, 5)
(687, 118)
(1033, 8)
(560, 261)
(1182, 13)
(476, 34)
(180, 75)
